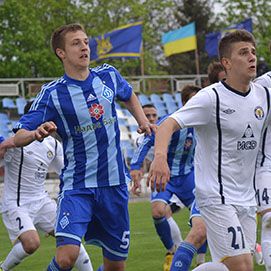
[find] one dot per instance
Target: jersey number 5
(125, 240)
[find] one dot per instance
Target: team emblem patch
(259, 114)
(49, 155)
(108, 94)
(96, 111)
(64, 222)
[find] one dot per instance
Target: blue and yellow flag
(212, 39)
(181, 40)
(124, 41)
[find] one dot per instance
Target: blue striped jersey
(180, 154)
(1, 139)
(86, 119)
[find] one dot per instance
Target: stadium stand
(144, 99)
(8, 103)
(20, 104)
(9, 89)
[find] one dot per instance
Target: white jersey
(264, 158)
(26, 169)
(228, 128)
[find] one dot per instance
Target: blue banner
(212, 39)
(124, 41)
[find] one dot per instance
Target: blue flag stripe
(181, 33)
(124, 41)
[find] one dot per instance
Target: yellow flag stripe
(180, 46)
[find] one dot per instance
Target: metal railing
(141, 84)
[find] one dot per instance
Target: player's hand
(159, 173)
(147, 128)
(136, 176)
(44, 130)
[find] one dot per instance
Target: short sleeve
(196, 112)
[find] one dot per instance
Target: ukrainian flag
(181, 40)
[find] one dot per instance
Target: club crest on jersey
(259, 114)
(96, 111)
(64, 222)
(49, 154)
(108, 94)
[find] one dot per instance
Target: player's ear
(226, 62)
(60, 53)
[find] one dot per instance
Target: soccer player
(93, 200)
(262, 183)
(228, 118)
(136, 174)
(26, 205)
(181, 184)
(216, 73)
(150, 112)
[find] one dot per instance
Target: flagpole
(142, 68)
(142, 61)
(197, 60)
(197, 65)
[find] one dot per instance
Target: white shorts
(263, 188)
(40, 214)
(231, 230)
(177, 201)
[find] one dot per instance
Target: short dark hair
(213, 70)
(27, 106)
(233, 37)
(187, 91)
(148, 106)
(58, 36)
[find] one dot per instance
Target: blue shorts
(182, 186)
(100, 215)
(194, 212)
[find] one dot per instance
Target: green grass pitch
(146, 251)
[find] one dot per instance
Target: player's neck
(80, 75)
(240, 85)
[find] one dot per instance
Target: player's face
(151, 114)
(243, 61)
(76, 52)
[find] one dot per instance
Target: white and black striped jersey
(228, 126)
(26, 169)
(264, 157)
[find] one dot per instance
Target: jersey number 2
(234, 243)
(20, 223)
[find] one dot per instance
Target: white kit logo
(91, 98)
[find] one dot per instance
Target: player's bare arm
(24, 137)
(134, 106)
(159, 173)
(8, 143)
